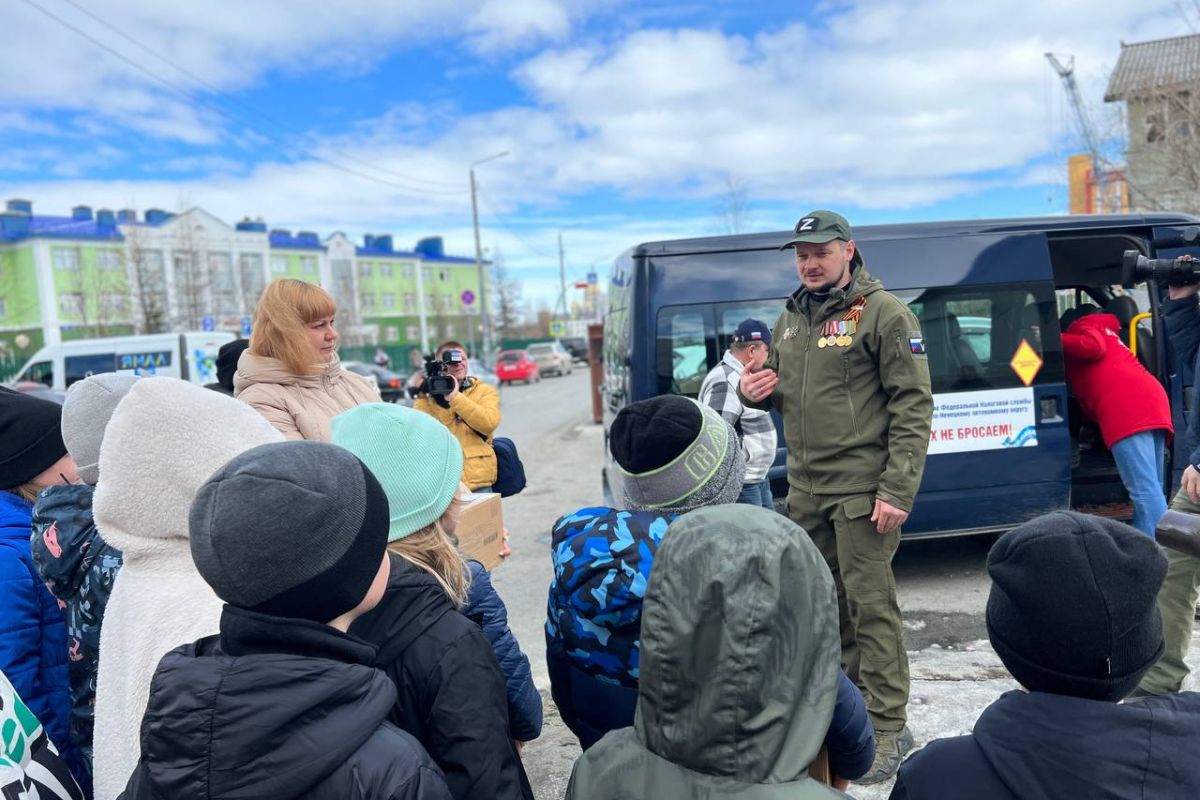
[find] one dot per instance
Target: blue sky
(624, 121)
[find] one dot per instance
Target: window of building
(279, 264)
(429, 302)
(65, 257)
(367, 300)
(412, 333)
(3, 306)
(443, 275)
(114, 302)
(410, 302)
(427, 274)
(385, 270)
(406, 271)
(250, 266)
(70, 304)
(366, 269)
(224, 289)
(449, 334)
(392, 333)
(308, 265)
(109, 260)
(389, 300)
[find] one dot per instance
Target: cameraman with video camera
(468, 407)
(1181, 588)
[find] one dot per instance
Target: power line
(225, 113)
(504, 224)
(215, 90)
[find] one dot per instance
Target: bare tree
(193, 279)
(146, 274)
(733, 206)
(96, 295)
(506, 299)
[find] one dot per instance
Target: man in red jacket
(1126, 401)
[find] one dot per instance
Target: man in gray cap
(848, 372)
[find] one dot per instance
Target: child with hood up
(165, 439)
(75, 563)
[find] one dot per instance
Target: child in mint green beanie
(419, 464)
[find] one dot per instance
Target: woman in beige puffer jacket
(291, 373)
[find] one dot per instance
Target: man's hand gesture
(757, 386)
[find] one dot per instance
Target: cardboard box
(480, 530)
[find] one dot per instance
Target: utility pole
(485, 318)
(1067, 73)
(562, 281)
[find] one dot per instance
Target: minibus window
(972, 334)
(41, 372)
(76, 368)
(682, 351)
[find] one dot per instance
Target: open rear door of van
(999, 450)
(199, 355)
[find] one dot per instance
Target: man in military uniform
(848, 372)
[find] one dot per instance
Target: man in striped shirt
(748, 350)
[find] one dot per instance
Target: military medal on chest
(840, 332)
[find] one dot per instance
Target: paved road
(942, 583)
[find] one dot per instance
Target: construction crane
(1099, 173)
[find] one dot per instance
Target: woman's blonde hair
(281, 320)
(432, 550)
(26, 491)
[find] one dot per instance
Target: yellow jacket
(473, 414)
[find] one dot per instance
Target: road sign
(558, 328)
(468, 297)
(245, 326)
(208, 324)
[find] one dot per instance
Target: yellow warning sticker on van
(1026, 362)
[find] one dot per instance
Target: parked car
(550, 357)
(476, 369)
(517, 365)
(577, 347)
(391, 386)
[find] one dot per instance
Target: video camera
(1182, 271)
(438, 381)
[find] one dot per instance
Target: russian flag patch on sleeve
(916, 344)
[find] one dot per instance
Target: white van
(189, 356)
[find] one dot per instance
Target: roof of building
(286, 240)
(1154, 66)
(62, 228)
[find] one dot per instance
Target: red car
(516, 365)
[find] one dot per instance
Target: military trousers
(860, 559)
(1177, 603)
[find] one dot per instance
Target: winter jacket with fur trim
(33, 641)
(79, 568)
(165, 439)
(300, 406)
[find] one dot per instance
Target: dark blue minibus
(1007, 443)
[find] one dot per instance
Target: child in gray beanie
(75, 563)
(292, 536)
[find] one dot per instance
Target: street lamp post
(483, 307)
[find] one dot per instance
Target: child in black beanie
(1072, 614)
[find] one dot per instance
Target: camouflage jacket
(602, 560)
(79, 569)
